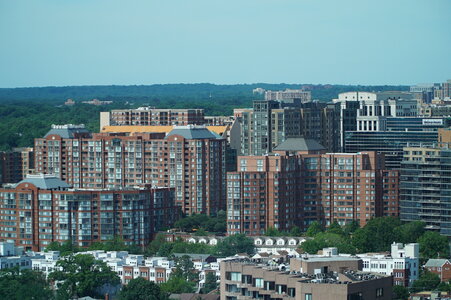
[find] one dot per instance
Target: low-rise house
(441, 267)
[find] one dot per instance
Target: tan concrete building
(148, 116)
(247, 280)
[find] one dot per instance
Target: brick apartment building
(247, 280)
(299, 184)
(42, 209)
(148, 116)
(16, 164)
(191, 159)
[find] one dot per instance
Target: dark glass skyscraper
(425, 187)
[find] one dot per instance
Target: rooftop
(193, 132)
(45, 182)
(219, 130)
(299, 144)
(68, 131)
(435, 262)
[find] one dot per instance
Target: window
(308, 296)
(259, 282)
(379, 292)
(235, 276)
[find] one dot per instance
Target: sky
(135, 42)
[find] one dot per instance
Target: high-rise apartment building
(191, 159)
(269, 123)
(42, 209)
(16, 164)
(444, 91)
(425, 186)
(148, 116)
(289, 94)
(300, 184)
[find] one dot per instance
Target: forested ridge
(28, 113)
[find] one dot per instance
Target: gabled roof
(45, 182)
(193, 132)
(435, 262)
(299, 144)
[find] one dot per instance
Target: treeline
(196, 91)
(376, 236)
(28, 113)
(228, 246)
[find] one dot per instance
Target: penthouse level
(152, 116)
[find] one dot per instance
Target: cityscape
(117, 183)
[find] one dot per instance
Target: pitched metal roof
(435, 262)
(45, 182)
(193, 132)
(299, 144)
(66, 131)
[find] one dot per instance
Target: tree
(65, 248)
(155, 245)
(428, 281)
(141, 289)
(433, 245)
(400, 292)
(410, 232)
(271, 231)
(377, 235)
(335, 228)
(185, 269)
(295, 231)
(177, 285)
(326, 239)
(351, 227)
(210, 283)
(82, 275)
(314, 228)
(25, 284)
(238, 243)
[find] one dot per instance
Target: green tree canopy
(326, 239)
(433, 245)
(409, 232)
(400, 292)
(428, 281)
(82, 275)
(25, 284)
(141, 289)
(377, 235)
(335, 228)
(314, 228)
(233, 244)
(211, 283)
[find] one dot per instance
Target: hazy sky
(87, 42)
